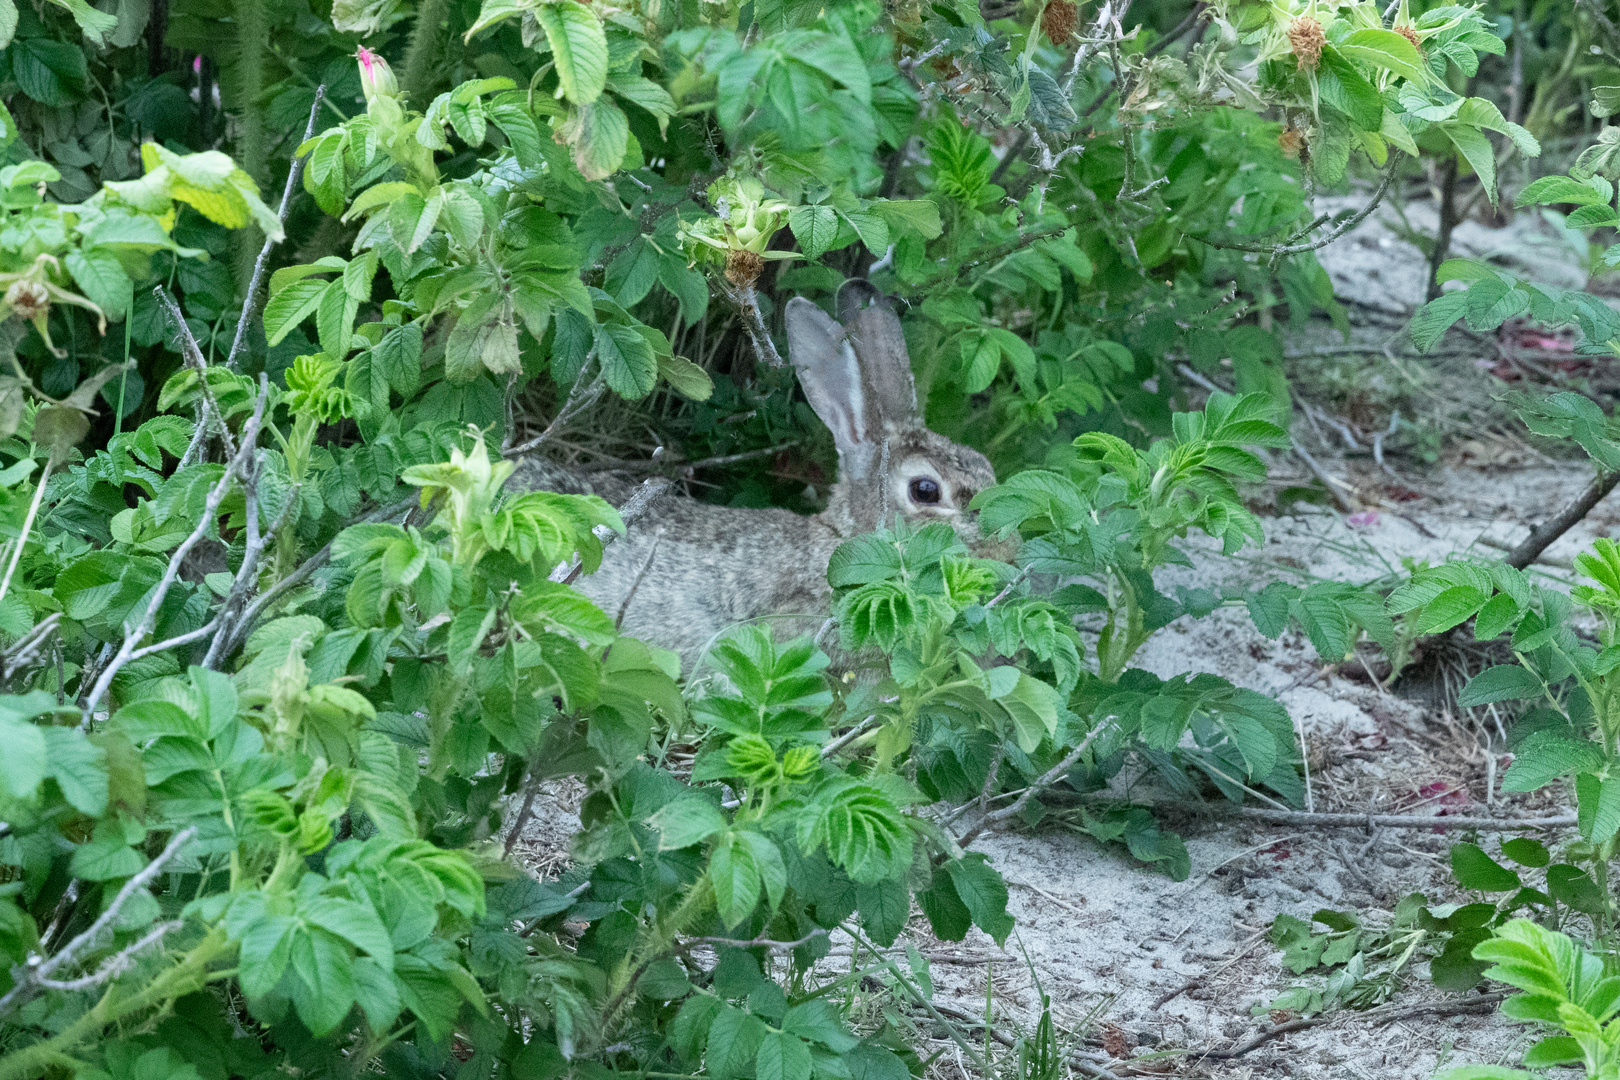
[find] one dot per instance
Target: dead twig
(628, 513)
(1475, 1003)
(294, 171)
(1050, 777)
(28, 978)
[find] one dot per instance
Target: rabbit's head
(857, 376)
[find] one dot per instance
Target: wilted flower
(1305, 38)
(1059, 20)
(376, 77)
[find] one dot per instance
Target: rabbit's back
(704, 568)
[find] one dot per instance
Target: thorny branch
(237, 468)
(747, 304)
(28, 978)
(1290, 247)
(1051, 776)
(581, 396)
(294, 171)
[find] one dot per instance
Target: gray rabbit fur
(716, 566)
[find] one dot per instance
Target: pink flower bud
(376, 78)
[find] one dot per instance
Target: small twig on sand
(1475, 1003)
(1364, 821)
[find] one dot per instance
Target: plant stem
(28, 524)
(177, 981)
(418, 77)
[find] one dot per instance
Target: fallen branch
(763, 941)
(1361, 821)
(1542, 536)
(1476, 1003)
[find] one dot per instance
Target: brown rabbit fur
(716, 566)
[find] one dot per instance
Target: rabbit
(716, 566)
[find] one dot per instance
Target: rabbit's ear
(873, 329)
(830, 375)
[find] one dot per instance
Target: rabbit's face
(933, 478)
(857, 377)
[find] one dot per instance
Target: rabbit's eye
(925, 490)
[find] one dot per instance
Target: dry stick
(629, 512)
(192, 354)
(763, 941)
(1476, 1003)
(1543, 535)
(1363, 821)
(26, 978)
(1344, 226)
(581, 396)
(294, 171)
(1052, 776)
(244, 625)
(1198, 980)
(646, 564)
(848, 737)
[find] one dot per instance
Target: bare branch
(250, 302)
(747, 304)
(581, 397)
(763, 941)
(234, 471)
(1050, 777)
(191, 352)
(28, 977)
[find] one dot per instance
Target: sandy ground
(1111, 942)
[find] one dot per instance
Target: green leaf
(884, 906)
(1033, 707)
(690, 819)
(1545, 756)
(1526, 851)
(1504, 682)
(689, 380)
(984, 894)
(1474, 869)
(1433, 319)
(1598, 802)
(1388, 50)
(628, 363)
(79, 769)
(22, 746)
(1477, 149)
(734, 1041)
(102, 279)
(862, 561)
(735, 879)
(579, 49)
(782, 1057)
(815, 228)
